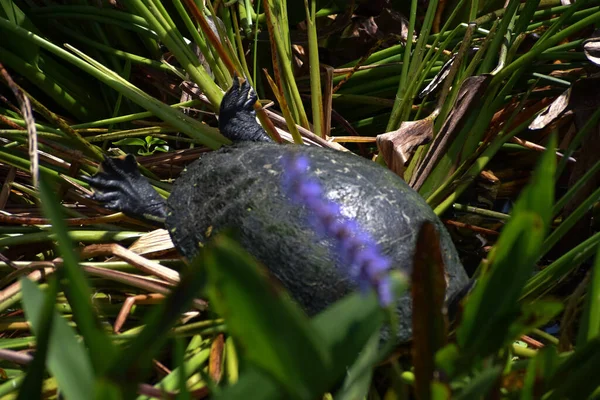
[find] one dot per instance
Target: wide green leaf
(272, 331)
(33, 383)
(578, 374)
(493, 304)
(68, 360)
(539, 370)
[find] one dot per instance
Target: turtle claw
(243, 96)
(252, 99)
(237, 118)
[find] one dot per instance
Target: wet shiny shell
(239, 187)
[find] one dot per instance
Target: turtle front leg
(121, 187)
(237, 118)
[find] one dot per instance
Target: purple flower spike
(365, 263)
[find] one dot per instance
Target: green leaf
(534, 315)
(271, 330)
(68, 360)
(447, 359)
(346, 326)
(539, 370)
(493, 305)
(552, 274)
(32, 384)
(254, 384)
(590, 319)
(481, 384)
(130, 142)
(11, 11)
(358, 381)
(578, 374)
(76, 287)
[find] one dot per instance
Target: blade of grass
(33, 382)
(135, 361)
(590, 320)
(315, 68)
(493, 302)
(190, 126)
(522, 62)
(285, 61)
(550, 276)
(77, 289)
(68, 359)
(570, 221)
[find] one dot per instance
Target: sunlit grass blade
(278, 31)
(188, 125)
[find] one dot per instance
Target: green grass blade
(590, 320)
(358, 380)
(480, 384)
(546, 279)
(493, 303)
(575, 188)
(254, 384)
(578, 374)
(315, 70)
(68, 360)
(539, 370)
(135, 362)
(76, 288)
(570, 221)
(33, 382)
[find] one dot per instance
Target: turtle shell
(239, 187)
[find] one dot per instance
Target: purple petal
(384, 292)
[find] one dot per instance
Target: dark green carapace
(239, 187)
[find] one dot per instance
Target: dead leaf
(215, 364)
(428, 295)
(470, 93)
(583, 94)
(154, 243)
(438, 79)
(397, 147)
(552, 112)
(591, 48)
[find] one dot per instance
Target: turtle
(239, 186)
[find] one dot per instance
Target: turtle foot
(121, 187)
(237, 118)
